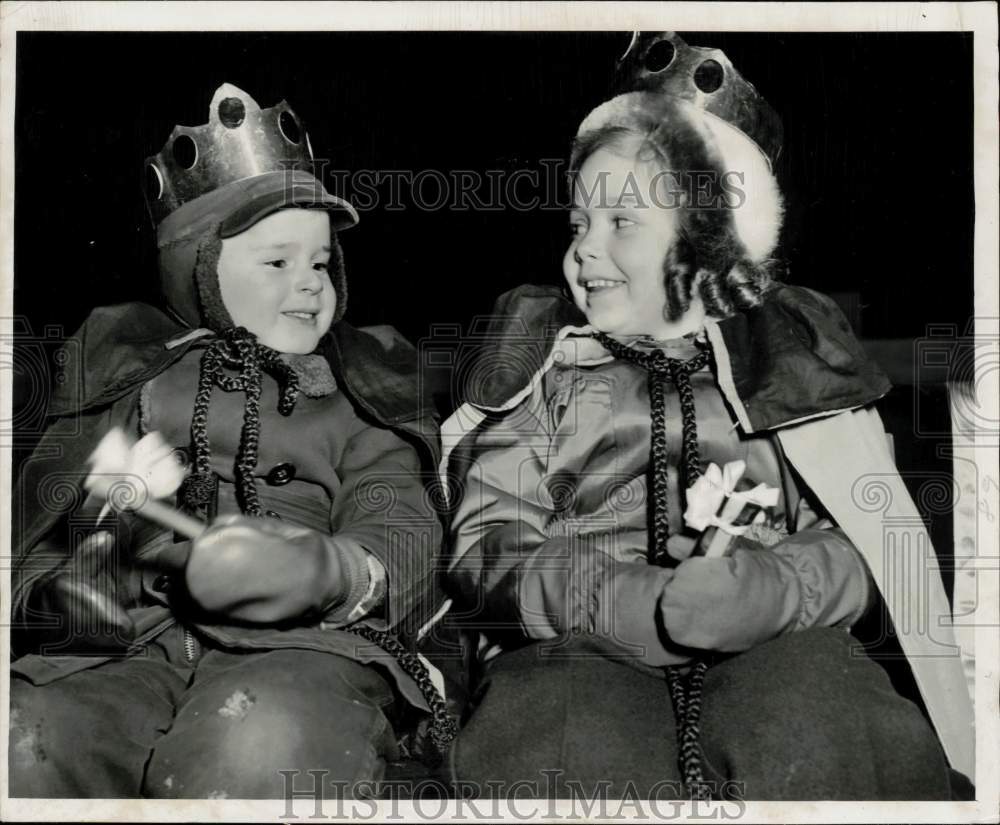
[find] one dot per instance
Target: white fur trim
(758, 217)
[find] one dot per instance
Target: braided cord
(685, 693)
(443, 727)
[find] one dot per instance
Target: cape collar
(790, 359)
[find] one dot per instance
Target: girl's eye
(280, 263)
(321, 266)
(622, 223)
(577, 229)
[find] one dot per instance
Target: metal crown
(239, 141)
(663, 62)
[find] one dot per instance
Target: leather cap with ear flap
(176, 263)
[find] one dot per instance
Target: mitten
(813, 577)
(264, 571)
(568, 587)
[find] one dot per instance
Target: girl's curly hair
(708, 254)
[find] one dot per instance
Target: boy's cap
(264, 195)
(240, 166)
(239, 205)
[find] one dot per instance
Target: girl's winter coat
(549, 457)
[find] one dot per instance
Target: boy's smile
(274, 280)
(614, 265)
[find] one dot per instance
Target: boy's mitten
(730, 604)
(264, 571)
(75, 609)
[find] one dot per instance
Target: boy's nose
(309, 280)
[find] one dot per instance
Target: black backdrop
(877, 164)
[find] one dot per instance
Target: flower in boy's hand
(126, 475)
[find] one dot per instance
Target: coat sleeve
(514, 576)
(383, 509)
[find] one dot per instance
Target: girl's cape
(792, 366)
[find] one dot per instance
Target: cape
(791, 366)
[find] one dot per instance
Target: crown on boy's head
(265, 154)
(663, 62)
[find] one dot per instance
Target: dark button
(180, 456)
(161, 584)
(272, 514)
(281, 474)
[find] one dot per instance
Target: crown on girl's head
(239, 141)
(663, 62)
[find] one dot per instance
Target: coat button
(161, 584)
(281, 474)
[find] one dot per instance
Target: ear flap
(338, 277)
(214, 314)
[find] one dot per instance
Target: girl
(575, 543)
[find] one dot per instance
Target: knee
(27, 713)
(250, 734)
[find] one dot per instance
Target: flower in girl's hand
(722, 505)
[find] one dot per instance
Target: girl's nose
(588, 248)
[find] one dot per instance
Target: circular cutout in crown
(709, 75)
(154, 182)
(185, 151)
(232, 112)
(289, 127)
(659, 56)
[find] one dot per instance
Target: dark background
(876, 171)
(876, 168)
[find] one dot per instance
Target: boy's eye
(577, 228)
(321, 266)
(278, 263)
(622, 223)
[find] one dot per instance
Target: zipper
(190, 646)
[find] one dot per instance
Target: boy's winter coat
(352, 463)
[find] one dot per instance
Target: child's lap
(804, 711)
(227, 725)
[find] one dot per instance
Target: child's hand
(75, 610)
(264, 571)
(730, 604)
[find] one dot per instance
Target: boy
(305, 442)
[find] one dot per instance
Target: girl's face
(621, 234)
(274, 281)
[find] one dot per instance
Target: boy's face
(274, 281)
(614, 264)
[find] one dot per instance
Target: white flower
(128, 475)
(715, 487)
(705, 496)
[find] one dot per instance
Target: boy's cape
(791, 366)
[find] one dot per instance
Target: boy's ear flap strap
(206, 276)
